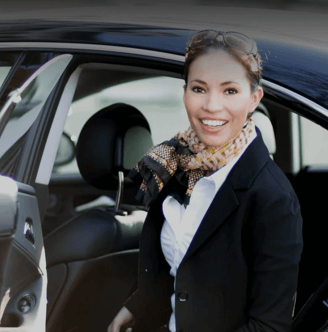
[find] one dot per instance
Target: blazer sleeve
(133, 302)
(273, 256)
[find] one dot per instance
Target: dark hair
(252, 65)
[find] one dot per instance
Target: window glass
(314, 144)
(4, 71)
(25, 112)
(159, 99)
(7, 61)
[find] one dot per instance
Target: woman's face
(218, 97)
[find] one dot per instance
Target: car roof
(170, 40)
(300, 64)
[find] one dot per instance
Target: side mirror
(66, 151)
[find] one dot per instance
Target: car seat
(92, 258)
(262, 121)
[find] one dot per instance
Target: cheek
(242, 100)
(191, 105)
(239, 112)
(192, 116)
(241, 105)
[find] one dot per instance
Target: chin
(213, 141)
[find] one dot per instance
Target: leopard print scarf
(186, 158)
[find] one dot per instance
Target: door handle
(29, 231)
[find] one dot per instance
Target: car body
(76, 66)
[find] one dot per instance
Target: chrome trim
(297, 96)
(296, 145)
(119, 194)
(93, 47)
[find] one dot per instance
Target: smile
(213, 123)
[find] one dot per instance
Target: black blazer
(240, 271)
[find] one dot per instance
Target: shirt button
(183, 296)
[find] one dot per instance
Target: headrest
(112, 140)
(263, 122)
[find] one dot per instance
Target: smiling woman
(218, 98)
(222, 241)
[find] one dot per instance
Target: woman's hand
(123, 319)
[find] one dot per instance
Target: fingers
(117, 328)
(113, 328)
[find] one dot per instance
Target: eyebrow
(223, 84)
(229, 82)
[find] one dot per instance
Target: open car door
(23, 279)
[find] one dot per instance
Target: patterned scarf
(186, 158)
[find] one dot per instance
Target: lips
(213, 126)
(213, 123)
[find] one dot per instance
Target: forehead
(217, 66)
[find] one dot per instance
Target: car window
(25, 112)
(4, 71)
(314, 144)
(7, 62)
(159, 99)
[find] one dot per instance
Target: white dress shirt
(181, 224)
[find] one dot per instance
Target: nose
(213, 102)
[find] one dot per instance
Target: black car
(80, 102)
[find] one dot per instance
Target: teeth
(213, 123)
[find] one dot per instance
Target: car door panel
(23, 277)
(103, 284)
(22, 263)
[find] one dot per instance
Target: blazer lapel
(226, 201)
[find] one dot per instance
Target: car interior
(91, 244)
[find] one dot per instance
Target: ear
(256, 98)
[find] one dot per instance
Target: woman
(222, 241)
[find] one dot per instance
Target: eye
(230, 91)
(198, 89)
